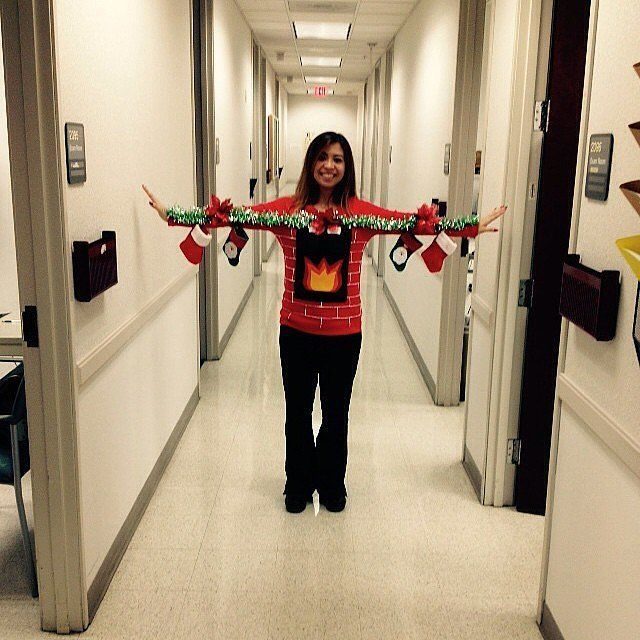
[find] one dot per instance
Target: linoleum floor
(414, 555)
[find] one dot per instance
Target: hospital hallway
(455, 183)
(414, 555)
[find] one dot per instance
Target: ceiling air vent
(297, 6)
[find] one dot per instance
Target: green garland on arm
(187, 217)
(246, 215)
(302, 219)
(241, 215)
(368, 221)
(456, 224)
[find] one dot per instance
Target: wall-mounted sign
(76, 161)
(320, 91)
(447, 158)
(599, 166)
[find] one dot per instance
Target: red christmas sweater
(323, 258)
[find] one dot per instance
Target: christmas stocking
(193, 245)
(234, 244)
(403, 249)
(437, 251)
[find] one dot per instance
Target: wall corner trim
(413, 347)
(113, 343)
(601, 423)
(548, 626)
(107, 569)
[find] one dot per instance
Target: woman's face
(328, 169)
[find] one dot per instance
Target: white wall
(316, 115)
(124, 71)
(593, 587)
(421, 121)
(8, 274)
(233, 82)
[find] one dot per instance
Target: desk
(10, 337)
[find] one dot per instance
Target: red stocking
(437, 251)
(193, 245)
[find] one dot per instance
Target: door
(493, 143)
(552, 226)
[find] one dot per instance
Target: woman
(323, 230)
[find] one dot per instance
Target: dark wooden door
(553, 219)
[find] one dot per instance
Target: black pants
(305, 359)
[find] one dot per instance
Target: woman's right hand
(155, 204)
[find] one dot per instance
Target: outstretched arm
(425, 221)
(218, 214)
(269, 216)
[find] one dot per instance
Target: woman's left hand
(485, 221)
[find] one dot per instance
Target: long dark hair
(308, 191)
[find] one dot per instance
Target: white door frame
(460, 198)
(385, 153)
(44, 281)
(209, 159)
(256, 146)
(262, 182)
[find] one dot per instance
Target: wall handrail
(90, 364)
(607, 428)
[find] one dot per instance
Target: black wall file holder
(95, 267)
(590, 298)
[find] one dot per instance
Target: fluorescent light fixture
(320, 79)
(321, 30)
(320, 61)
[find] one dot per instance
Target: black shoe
(295, 503)
(334, 503)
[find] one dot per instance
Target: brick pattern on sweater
(323, 318)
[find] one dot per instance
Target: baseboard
(234, 321)
(413, 347)
(548, 626)
(473, 472)
(109, 565)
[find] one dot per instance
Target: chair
(14, 453)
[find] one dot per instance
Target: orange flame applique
(322, 277)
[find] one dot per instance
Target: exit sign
(320, 91)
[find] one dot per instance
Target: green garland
(187, 217)
(246, 215)
(368, 221)
(302, 219)
(457, 224)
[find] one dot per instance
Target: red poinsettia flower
(427, 219)
(218, 211)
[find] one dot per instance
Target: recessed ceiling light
(320, 79)
(321, 30)
(320, 61)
